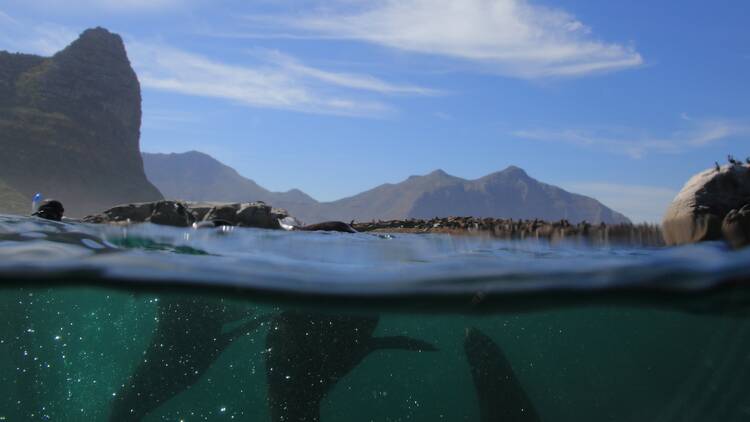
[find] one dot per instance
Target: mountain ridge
(436, 194)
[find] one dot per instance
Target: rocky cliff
(70, 125)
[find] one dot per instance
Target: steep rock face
(70, 125)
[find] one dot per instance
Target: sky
(622, 101)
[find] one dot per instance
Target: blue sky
(622, 101)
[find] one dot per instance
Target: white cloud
(349, 80)
(513, 37)
(282, 83)
(114, 6)
(636, 143)
(637, 202)
(44, 39)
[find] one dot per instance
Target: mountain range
(510, 193)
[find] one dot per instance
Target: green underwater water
(68, 352)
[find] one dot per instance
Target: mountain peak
(515, 171)
(96, 41)
(438, 173)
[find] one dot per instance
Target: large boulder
(697, 212)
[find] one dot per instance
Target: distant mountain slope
(12, 202)
(70, 125)
(510, 193)
(195, 176)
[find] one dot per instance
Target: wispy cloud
(636, 143)
(348, 80)
(45, 39)
(639, 203)
(512, 37)
(117, 6)
(281, 82)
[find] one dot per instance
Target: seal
(307, 354)
(329, 226)
(50, 209)
(501, 396)
(188, 339)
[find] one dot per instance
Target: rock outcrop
(70, 125)
(700, 209)
(179, 214)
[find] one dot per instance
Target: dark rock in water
(309, 353)
(329, 226)
(260, 215)
(70, 125)
(736, 227)
(168, 213)
(226, 212)
(50, 209)
(189, 337)
(179, 214)
(255, 214)
(696, 214)
(501, 396)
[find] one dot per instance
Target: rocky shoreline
(261, 215)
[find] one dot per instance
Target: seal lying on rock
(189, 337)
(501, 396)
(307, 354)
(697, 213)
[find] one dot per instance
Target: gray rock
(736, 227)
(697, 212)
(225, 212)
(167, 213)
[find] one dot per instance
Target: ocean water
(105, 323)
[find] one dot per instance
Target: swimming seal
(329, 226)
(50, 209)
(307, 354)
(501, 396)
(189, 338)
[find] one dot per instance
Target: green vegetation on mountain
(12, 202)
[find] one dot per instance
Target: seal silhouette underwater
(307, 354)
(189, 337)
(501, 396)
